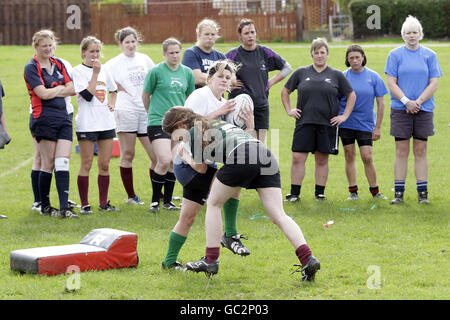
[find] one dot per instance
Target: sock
(319, 190)
(374, 190)
(176, 241)
(303, 253)
(399, 185)
(103, 186)
(62, 179)
(161, 195)
(422, 185)
(158, 181)
(212, 254)
(169, 185)
(295, 189)
(45, 181)
(353, 189)
(127, 180)
(230, 213)
(35, 185)
(83, 189)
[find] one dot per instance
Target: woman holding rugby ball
(196, 178)
(247, 164)
(96, 96)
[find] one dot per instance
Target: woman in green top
(247, 164)
(166, 85)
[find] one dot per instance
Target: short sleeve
(191, 82)
(80, 81)
(434, 67)
(190, 60)
(391, 65)
(380, 86)
(345, 87)
(32, 76)
(110, 83)
(293, 81)
(150, 81)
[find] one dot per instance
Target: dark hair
(121, 34)
(243, 23)
(355, 48)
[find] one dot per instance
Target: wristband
(404, 100)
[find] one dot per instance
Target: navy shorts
(348, 136)
(261, 117)
(315, 137)
(198, 189)
(156, 132)
(96, 135)
(53, 129)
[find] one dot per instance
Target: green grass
(409, 243)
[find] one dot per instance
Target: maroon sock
(303, 253)
(83, 188)
(374, 190)
(127, 179)
(353, 189)
(103, 185)
(212, 254)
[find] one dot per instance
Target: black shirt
(318, 93)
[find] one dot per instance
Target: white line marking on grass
(22, 164)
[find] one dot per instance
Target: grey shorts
(406, 125)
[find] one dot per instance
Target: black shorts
(156, 132)
(261, 117)
(406, 125)
(251, 166)
(198, 189)
(96, 135)
(44, 128)
(315, 137)
(348, 136)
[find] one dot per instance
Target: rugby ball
(243, 100)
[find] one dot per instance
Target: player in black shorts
(319, 88)
(247, 164)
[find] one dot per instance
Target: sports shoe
(308, 270)
(235, 245)
(72, 204)
(86, 210)
(320, 197)
(135, 200)
(49, 211)
(423, 197)
(379, 195)
(36, 206)
(154, 206)
(174, 266)
(202, 266)
(67, 213)
(108, 207)
(398, 198)
(292, 198)
(353, 196)
(170, 206)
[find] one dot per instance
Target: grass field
(406, 245)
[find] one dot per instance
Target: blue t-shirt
(367, 85)
(196, 58)
(413, 70)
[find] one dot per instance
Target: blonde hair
(221, 65)
(319, 43)
(412, 24)
(41, 34)
(207, 23)
(86, 42)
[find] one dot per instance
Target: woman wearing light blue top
(363, 125)
(412, 75)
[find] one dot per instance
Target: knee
(367, 160)
(420, 152)
(128, 155)
(164, 163)
(103, 167)
(298, 159)
(86, 165)
(350, 155)
(187, 220)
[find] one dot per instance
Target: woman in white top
(196, 178)
(128, 70)
(94, 121)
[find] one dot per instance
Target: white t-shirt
(93, 115)
(203, 101)
(130, 73)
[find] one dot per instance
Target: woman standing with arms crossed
(247, 164)
(412, 76)
(202, 55)
(253, 76)
(319, 88)
(128, 70)
(94, 121)
(48, 84)
(166, 85)
(361, 125)
(196, 178)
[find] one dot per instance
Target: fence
(20, 19)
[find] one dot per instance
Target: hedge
(433, 15)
